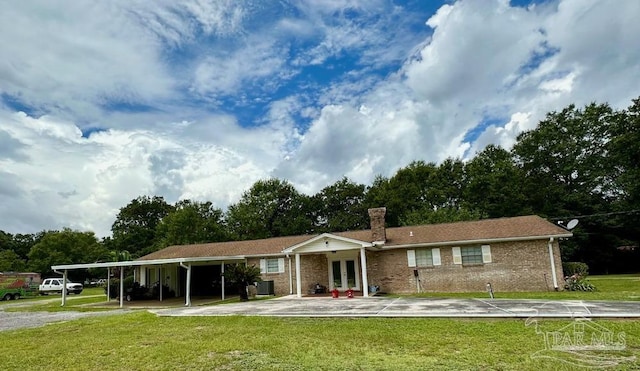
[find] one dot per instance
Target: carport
(187, 264)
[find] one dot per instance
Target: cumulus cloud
(70, 180)
(486, 60)
(160, 81)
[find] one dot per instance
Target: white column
(363, 268)
(553, 265)
(121, 287)
(64, 288)
(160, 281)
(108, 284)
(298, 277)
(222, 275)
(188, 293)
(290, 277)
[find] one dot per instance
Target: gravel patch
(19, 320)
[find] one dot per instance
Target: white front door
(343, 274)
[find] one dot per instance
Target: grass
(51, 303)
(612, 287)
(140, 340)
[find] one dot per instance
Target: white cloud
(260, 63)
(72, 58)
(484, 60)
(69, 180)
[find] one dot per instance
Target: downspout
(188, 284)
(553, 264)
(290, 276)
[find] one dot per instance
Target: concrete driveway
(414, 307)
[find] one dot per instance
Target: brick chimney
(376, 215)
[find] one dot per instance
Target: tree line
(577, 163)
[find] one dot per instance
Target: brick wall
(314, 269)
(515, 266)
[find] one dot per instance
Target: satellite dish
(572, 224)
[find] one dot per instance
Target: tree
(340, 207)
(566, 163)
(11, 262)
(569, 171)
(135, 227)
(494, 185)
(410, 189)
(191, 222)
(65, 247)
(242, 275)
(271, 208)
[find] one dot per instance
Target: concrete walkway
(414, 307)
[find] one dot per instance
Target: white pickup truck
(55, 285)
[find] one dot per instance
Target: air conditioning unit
(266, 288)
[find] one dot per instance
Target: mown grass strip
(142, 341)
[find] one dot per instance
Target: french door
(343, 274)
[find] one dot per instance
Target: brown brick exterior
(515, 266)
(314, 269)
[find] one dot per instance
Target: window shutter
(263, 266)
(457, 257)
(435, 255)
(411, 257)
(486, 254)
(281, 265)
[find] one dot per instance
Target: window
(471, 255)
(272, 265)
(424, 258)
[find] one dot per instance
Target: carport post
(64, 288)
(298, 278)
(222, 278)
(108, 283)
(160, 281)
(363, 268)
(121, 287)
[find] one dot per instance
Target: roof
(520, 227)
(267, 246)
(516, 228)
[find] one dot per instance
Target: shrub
(114, 286)
(577, 283)
(573, 268)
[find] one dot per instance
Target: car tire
(7, 297)
(128, 297)
(16, 297)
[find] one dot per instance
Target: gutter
(479, 241)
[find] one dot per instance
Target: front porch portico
(345, 259)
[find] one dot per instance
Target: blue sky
(198, 99)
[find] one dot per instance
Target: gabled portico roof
(326, 237)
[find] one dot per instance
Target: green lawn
(51, 302)
(612, 287)
(141, 340)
